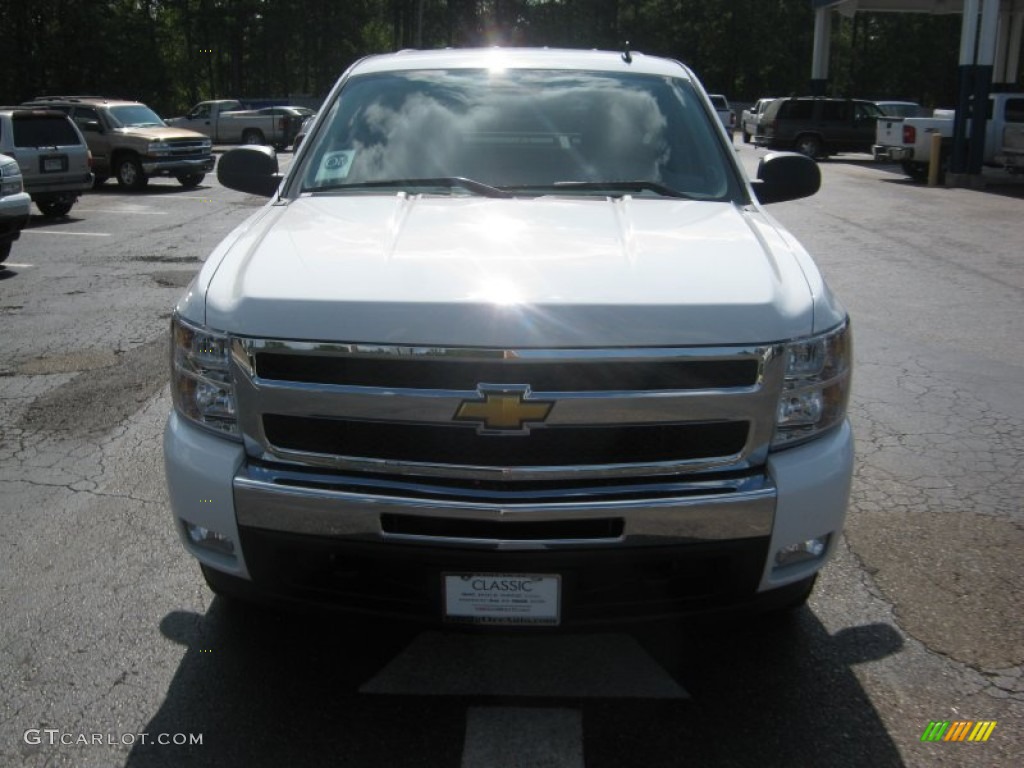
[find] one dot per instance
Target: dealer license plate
(502, 598)
(53, 164)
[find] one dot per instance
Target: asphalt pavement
(114, 653)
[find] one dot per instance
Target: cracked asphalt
(106, 628)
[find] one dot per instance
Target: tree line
(172, 53)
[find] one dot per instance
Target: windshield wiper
(448, 182)
(623, 186)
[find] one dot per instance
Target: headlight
(816, 388)
(159, 148)
(201, 377)
(10, 179)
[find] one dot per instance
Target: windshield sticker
(335, 165)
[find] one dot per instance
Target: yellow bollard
(935, 160)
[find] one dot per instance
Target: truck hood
(545, 272)
(155, 133)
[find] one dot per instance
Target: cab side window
(1014, 112)
(84, 115)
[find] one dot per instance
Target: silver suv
(13, 205)
(50, 151)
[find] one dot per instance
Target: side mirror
(785, 176)
(250, 169)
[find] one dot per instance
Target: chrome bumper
(668, 513)
(171, 166)
(895, 154)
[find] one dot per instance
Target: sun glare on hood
(500, 292)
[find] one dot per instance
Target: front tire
(129, 173)
(791, 598)
(190, 180)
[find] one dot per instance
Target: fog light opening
(207, 539)
(801, 552)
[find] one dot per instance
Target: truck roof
(523, 58)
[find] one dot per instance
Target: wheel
(129, 173)
(807, 144)
(746, 137)
(98, 181)
(791, 598)
(5, 251)
(222, 584)
(190, 180)
(916, 171)
(55, 206)
(252, 136)
(237, 594)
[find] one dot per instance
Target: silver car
(52, 154)
(14, 203)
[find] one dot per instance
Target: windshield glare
(135, 115)
(520, 129)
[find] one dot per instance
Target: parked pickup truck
(750, 119)
(227, 122)
(908, 140)
(130, 142)
(485, 359)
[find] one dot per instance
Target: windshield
(534, 131)
(135, 116)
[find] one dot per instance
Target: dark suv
(819, 127)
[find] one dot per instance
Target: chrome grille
(392, 410)
(181, 148)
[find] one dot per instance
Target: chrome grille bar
(752, 402)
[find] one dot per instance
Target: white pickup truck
(750, 119)
(485, 359)
(908, 140)
(226, 121)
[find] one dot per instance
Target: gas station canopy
(990, 48)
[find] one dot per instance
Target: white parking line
(67, 234)
(126, 210)
(510, 737)
(15, 264)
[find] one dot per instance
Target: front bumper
(892, 154)
(382, 547)
(174, 166)
(14, 214)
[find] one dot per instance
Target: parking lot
(109, 632)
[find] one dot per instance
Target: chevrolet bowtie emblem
(503, 411)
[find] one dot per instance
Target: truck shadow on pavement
(269, 689)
